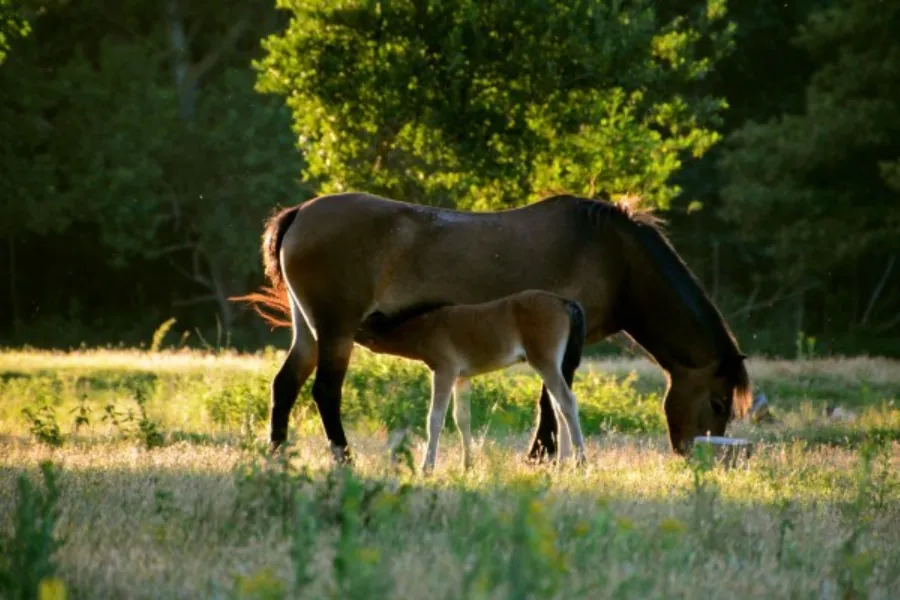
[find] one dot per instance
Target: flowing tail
(575, 343)
(271, 302)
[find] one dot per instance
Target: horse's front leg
(543, 442)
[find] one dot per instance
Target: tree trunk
(220, 290)
(181, 61)
(13, 286)
(715, 266)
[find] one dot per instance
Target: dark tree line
(145, 142)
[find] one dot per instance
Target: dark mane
(648, 229)
(379, 323)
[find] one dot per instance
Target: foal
(458, 342)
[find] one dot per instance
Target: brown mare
(337, 259)
(461, 341)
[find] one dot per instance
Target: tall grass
(161, 488)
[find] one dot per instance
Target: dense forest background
(144, 143)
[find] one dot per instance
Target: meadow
(130, 474)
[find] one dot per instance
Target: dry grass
(191, 520)
(125, 540)
(872, 369)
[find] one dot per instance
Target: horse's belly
(480, 362)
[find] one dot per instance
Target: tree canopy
(476, 104)
(145, 142)
(817, 189)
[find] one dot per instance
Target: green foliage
(484, 105)
(12, 25)
(148, 430)
(43, 425)
(27, 552)
(816, 191)
(155, 170)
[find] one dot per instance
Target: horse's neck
(657, 316)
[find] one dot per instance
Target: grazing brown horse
(461, 341)
(337, 259)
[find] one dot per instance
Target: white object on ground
(728, 450)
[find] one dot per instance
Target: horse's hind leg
(297, 367)
(335, 349)
(543, 442)
(568, 406)
(462, 414)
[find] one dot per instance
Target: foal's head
(705, 399)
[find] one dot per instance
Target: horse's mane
(648, 228)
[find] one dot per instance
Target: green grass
(169, 496)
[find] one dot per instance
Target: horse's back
(358, 252)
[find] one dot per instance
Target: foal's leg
(296, 369)
(564, 450)
(543, 442)
(462, 414)
(442, 381)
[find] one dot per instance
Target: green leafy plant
(27, 552)
(43, 425)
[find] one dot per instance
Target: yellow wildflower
(671, 525)
(51, 589)
(369, 556)
(582, 527)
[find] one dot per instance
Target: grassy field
(138, 475)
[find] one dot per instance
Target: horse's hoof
(539, 458)
(342, 455)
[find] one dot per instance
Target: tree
(139, 124)
(13, 25)
(485, 104)
(818, 190)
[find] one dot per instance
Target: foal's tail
(274, 296)
(575, 342)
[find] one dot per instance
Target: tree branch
(780, 295)
(171, 249)
(195, 300)
(890, 324)
(196, 277)
(199, 69)
(876, 293)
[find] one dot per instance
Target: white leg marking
(441, 387)
(567, 415)
(462, 414)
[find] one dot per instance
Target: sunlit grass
(206, 515)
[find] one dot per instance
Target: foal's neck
(409, 339)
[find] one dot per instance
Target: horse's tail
(273, 236)
(274, 296)
(575, 342)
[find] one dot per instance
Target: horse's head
(705, 399)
